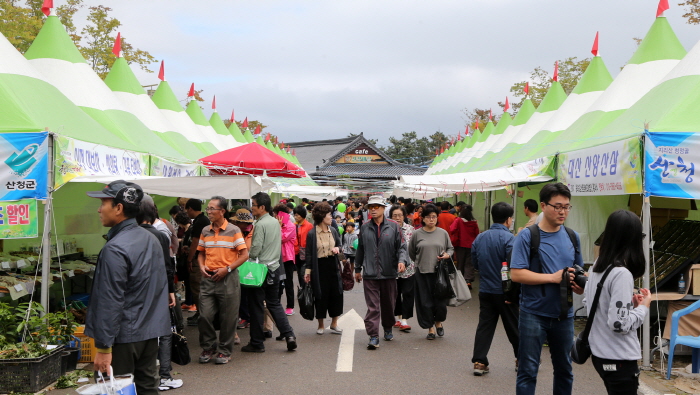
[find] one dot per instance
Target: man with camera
(547, 277)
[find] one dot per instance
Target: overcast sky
(323, 69)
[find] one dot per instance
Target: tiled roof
(368, 171)
(312, 153)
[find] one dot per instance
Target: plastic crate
(31, 374)
(87, 346)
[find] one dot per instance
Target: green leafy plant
(70, 380)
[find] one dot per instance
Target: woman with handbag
(613, 334)
(429, 244)
(322, 268)
(463, 231)
(405, 284)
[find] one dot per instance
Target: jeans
(534, 330)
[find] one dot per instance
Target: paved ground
(408, 365)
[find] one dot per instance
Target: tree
(570, 72)
(411, 150)
(692, 11)
(251, 125)
(482, 115)
(98, 51)
(20, 24)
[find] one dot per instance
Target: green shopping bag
(252, 274)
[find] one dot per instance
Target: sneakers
(206, 356)
(397, 324)
(167, 384)
(388, 336)
(289, 311)
(250, 348)
(194, 320)
(291, 343)
(222, 359)
(243, 324)
(373, 343)
(480, 369)
(405, 328)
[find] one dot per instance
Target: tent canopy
(253, 159)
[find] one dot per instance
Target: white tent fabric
(487, 180)
(309, 191)
(232, 187)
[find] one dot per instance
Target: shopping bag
(120, 385)
(461, 289)
(252, 274)
(305, 296)
(443, 288)
(179, 350)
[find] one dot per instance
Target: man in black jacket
(129, 303)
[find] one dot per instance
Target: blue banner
(23, 165)
(669, 160)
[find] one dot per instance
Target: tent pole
(646, 330)
(515, 202)
(46, 237)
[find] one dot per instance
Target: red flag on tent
(476, 124)
(594, 50)
(161, 73)
(442, 150)
(526, 89)
(663, 6)
(556, 71)
(506, 107)
(267, 137)
(437, 152)
(466, 131)
(275, 140)
(232, 118)
(294, 151)
(490, 114)
(245, 122)
(117, 49)
(46, 8)
(191, 94)
(213, 103)
(257, 129)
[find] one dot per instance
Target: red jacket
(302, 231)
(463, 233)
(445, 220)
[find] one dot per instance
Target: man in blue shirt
(540, 303)
(489, 251)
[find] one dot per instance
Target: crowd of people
(391, 247)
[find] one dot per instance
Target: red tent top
(253, 159)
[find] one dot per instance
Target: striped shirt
(221, 245)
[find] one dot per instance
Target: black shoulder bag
(581, 349)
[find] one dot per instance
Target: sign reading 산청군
(18, 219)
(608, 169)
(669, 159)
(23, 165)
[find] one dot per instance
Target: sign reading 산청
(609, 169)
(669, 160)
(76, 158)
(18, 219)
(23, 165)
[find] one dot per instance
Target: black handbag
(179, 350)
(443, 287)
(581, 349)
(305, 296)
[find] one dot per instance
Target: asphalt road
(409, 364)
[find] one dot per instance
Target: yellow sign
(362, 159)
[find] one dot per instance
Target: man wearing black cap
(129, 302)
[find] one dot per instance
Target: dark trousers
(243, 311)
(428, 309)
(492, 306)
(380, 296)
(464, 263)
(222, 297)
(331, 300)
(184, 275)
(300, 269)
(620, 377)
(405, 297)
(139, 359)
(258, 298)
(288, 283)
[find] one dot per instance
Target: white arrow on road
(349, 322)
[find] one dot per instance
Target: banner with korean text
(608, 169)
(75, 158)
(669, 160)
(164, 168)
(23, 165)
(18, 219)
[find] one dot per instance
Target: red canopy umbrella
(253, 159)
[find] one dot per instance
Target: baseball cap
(123, 191)
(376, 199)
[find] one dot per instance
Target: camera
(580, 277)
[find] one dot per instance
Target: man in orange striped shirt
(222, 250)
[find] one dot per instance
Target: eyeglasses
(431, 217)
(560, 208)
(373, 207)
(213, 209)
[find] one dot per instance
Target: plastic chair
(690, 341)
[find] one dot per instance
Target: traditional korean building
(353, 162)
